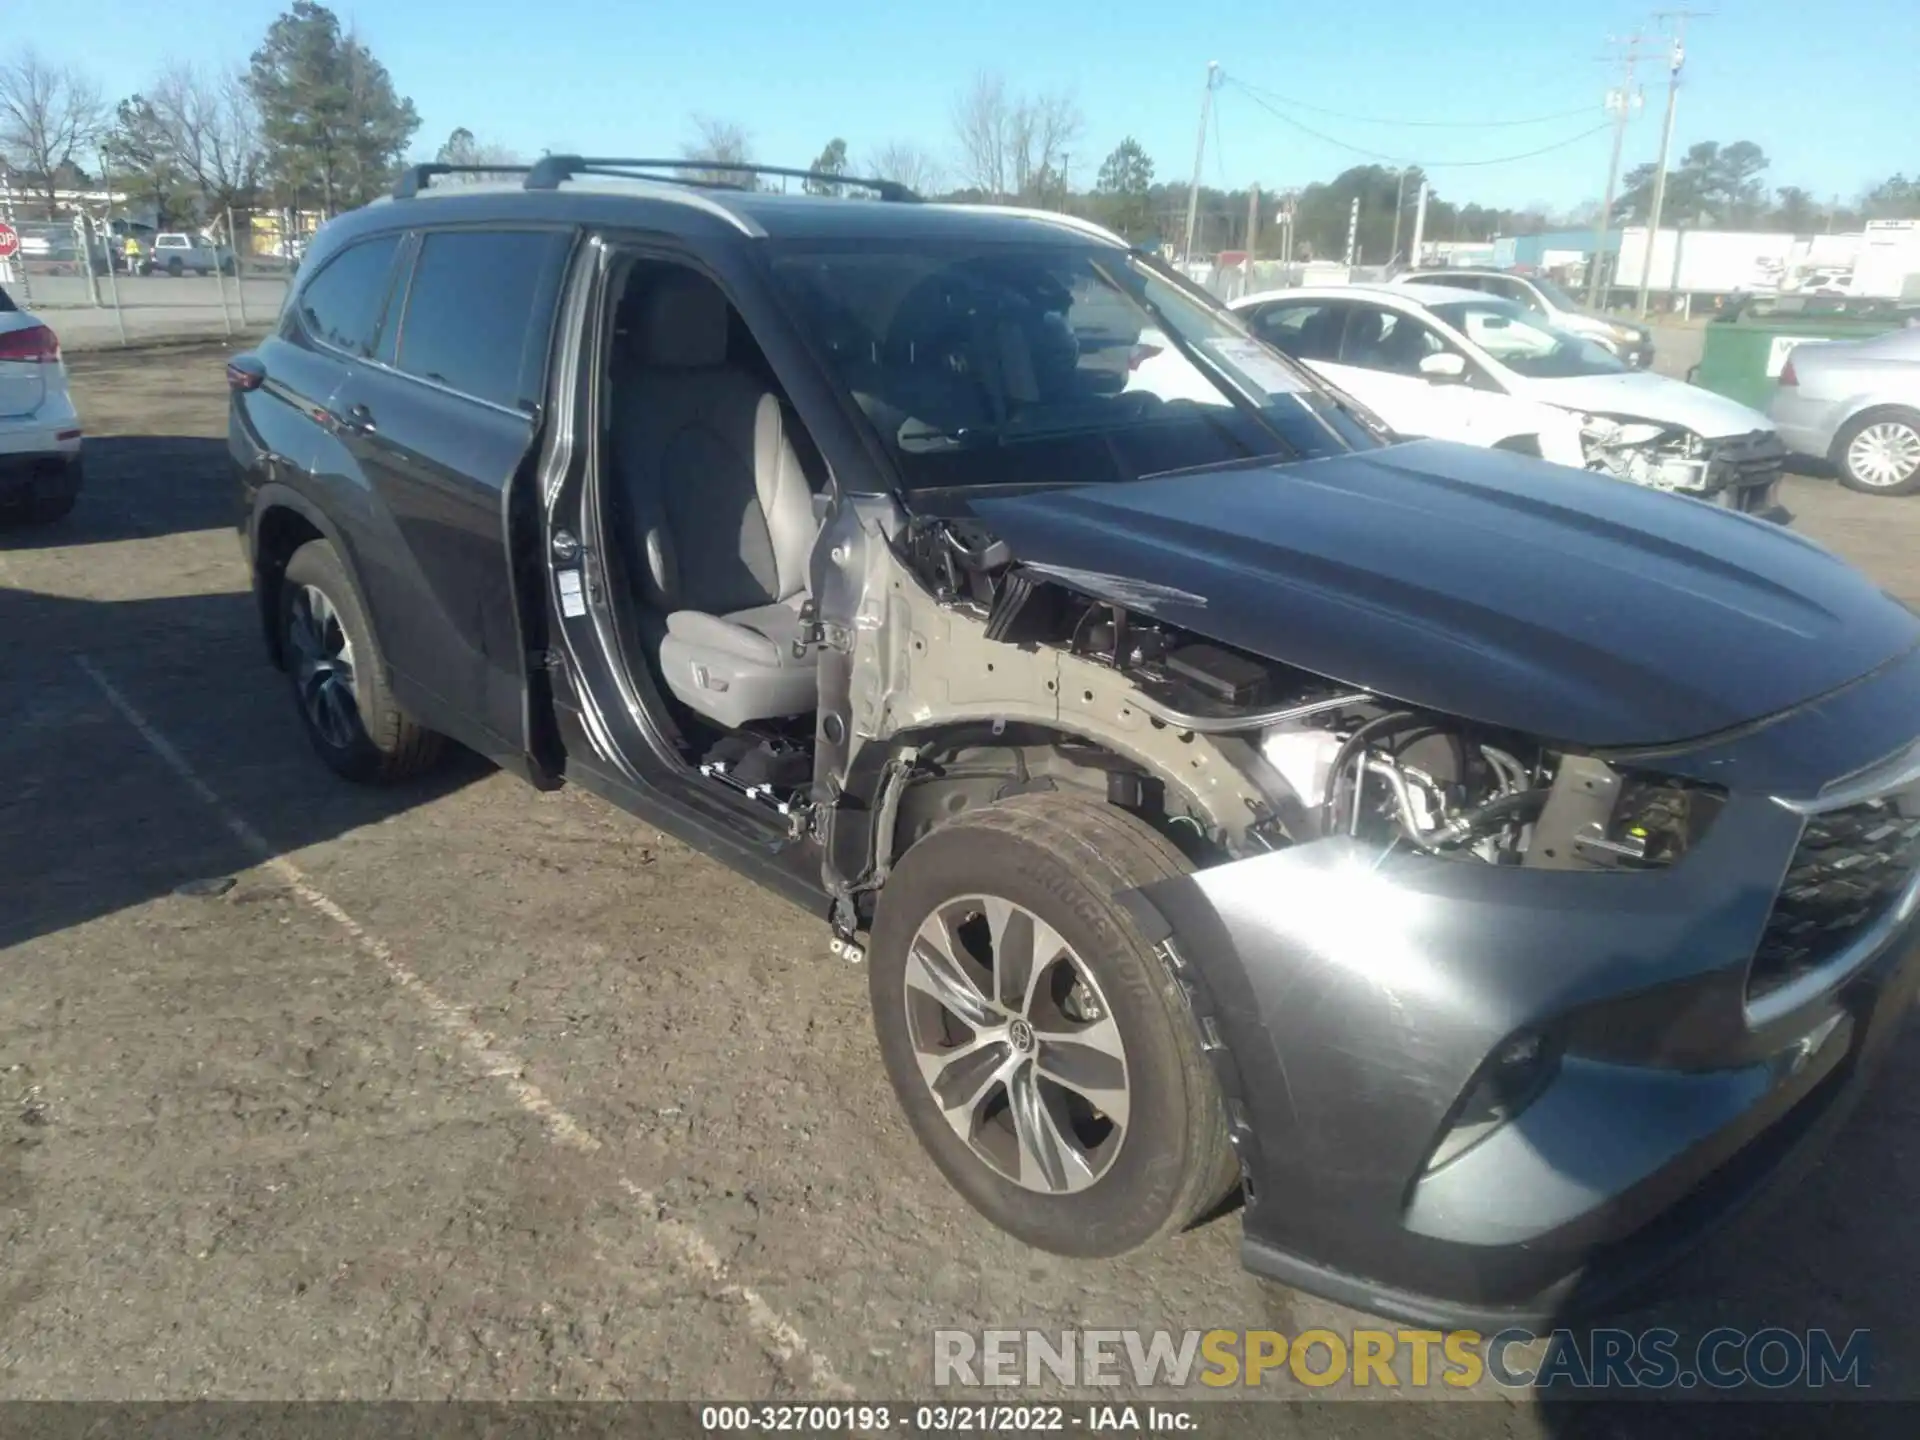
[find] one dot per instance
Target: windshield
(1556, 297)
(993, 364)
(1526, 344)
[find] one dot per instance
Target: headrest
(683, 324)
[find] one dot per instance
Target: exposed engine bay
(1663, 457)
(1326, 759)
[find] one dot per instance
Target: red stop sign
(9, 241)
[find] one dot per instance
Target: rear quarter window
(341, 306)
(478, 312)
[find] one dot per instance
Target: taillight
(1141, 354)
(35, 345)
(1787, 377)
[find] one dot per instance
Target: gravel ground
(465, 1091)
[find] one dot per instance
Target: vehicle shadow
(98, 815)
(138, 487)
(1827, 1251)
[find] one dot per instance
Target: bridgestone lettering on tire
(1042, 1053)
(339, 675)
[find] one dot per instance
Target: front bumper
(1352, 1000)
(1637, 354)
(1744, 473)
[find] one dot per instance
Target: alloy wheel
(1017, 1044)
(1885, 454)
(323, 667)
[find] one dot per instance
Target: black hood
(1482, 584)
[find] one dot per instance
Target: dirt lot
(466, 1091)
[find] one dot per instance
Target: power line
(1409, 124)
(1404, 160)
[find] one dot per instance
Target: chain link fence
(102, 277)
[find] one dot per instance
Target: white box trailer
(1888, 263)
(1703, 262)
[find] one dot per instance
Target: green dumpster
(1746, 348)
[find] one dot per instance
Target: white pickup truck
(174, 253)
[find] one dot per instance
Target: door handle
(357, 421)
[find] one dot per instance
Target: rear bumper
(1806, 426)
(1353, 1002)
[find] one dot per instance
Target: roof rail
(549, 171)
(414, 178)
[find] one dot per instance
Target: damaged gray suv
(1492, 874)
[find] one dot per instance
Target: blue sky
(1828, 92)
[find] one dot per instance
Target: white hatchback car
(39, 431)
(1456, 364)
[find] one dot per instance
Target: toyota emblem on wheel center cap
(1020, 1035)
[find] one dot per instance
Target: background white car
(39, 432)
(1454, 364)
(1631, 341)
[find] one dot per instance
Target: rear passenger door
(333, 319)
(441, 419)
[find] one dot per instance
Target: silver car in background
(1857, 404)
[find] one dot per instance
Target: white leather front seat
(722, 522)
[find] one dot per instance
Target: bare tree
(213, 129)
(1043, 126)
(982, 125)
(49, 114)
(904, 163)
(1013, 146)
(724, 143)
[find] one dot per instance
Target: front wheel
(1879, 452)
(339, 678)
(1042, 1053)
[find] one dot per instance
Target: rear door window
(342, 305)
(478, 312)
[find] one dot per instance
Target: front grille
(1850, 866)
(1756, 458)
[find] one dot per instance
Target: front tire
(1042, 1053)
(339, 675)
(1878, 452)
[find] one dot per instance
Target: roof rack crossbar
(414, 178)
(550, 170)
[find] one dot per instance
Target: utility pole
(1419, 225)
(1621, 102)
(1399, 204)
(1253, 234)
(1353, 233)
(1675, 59)
(1200, 156)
